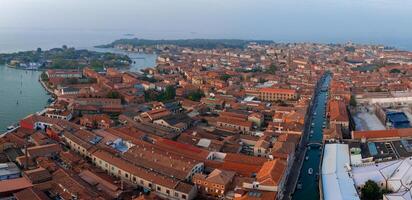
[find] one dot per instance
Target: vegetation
(225, 77)
(64, 58)
(167, 95)
(371, 191)
(191, 43)
(195, 95)
(272, 69)
(148, 79)
(395, 71)
(44, 77)
(113, 95)
(352, 101)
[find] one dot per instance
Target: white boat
(311, 131)
(307, 158)
(10, 128)
(310, 171)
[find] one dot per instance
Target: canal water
(309, 182)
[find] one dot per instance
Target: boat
(311, 131)
(299, 186)
(307, 158)
(310, 171)
(10, 128)
(310, 135)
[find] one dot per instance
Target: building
(176, 122)
(63, 73)
(99, 121)
(338, 113)
(274, 94)
(9, 171)
(395, 176)
(397, 120)
(336, 184)
(215, 184)
(233, 124)
(163, 186)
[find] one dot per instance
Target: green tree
(272, 69)
(395, 71)
(371, 191)
(113, 95)
(195, 95)
(170, 93)
(352, 101)
(44, 76)
(225, 77)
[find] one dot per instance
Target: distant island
(63, 58)
(189, 43)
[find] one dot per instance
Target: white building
(393, 175)
(337, 183)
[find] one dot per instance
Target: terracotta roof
(31, 194)
(16, 184)
(37, 175)
(375, 134)
(221, 177)
(337, 111)
(43, 150)
(271, 172)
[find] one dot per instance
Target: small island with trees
(153, 46)
(64, 58)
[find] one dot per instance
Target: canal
(308, 179)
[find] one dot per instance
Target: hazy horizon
(368, 21)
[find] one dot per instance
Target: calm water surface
(20, 94)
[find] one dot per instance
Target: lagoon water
(21, 93)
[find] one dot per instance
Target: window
(168, 192)
(134, 179)
(158, 188)
(141, 182)
(183, 196)
(126, 175)
(176, 194)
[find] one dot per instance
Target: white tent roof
(336, 182)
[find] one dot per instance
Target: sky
(384, 21)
